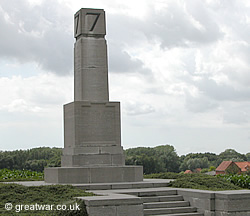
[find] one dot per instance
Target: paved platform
(146, 183)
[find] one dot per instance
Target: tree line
(32, 159)
(165, 159)
(158, 159)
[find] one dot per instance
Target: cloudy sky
(181, 70)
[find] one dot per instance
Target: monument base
(107, 174)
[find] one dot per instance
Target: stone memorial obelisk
(92, 129)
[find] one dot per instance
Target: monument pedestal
(92, 151)
(92, 128)
(92, 134)
(105, 174)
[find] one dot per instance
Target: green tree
(248, 156)
(205, 160)
(7, 162)
(33, 159)
(145, 157)
(232, 155)
(35, 165)
(193, 163)
(159, 159)
(167, 154)
(150, 164)
(204, 170)
(190, 163)
(139, 151)
(204, 163)
(212, 168)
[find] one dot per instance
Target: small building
(228, 167)
(197, 170)
(244, 166)
(211, 173)
(188, 172)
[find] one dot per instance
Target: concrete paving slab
(146, 183)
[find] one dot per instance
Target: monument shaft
(91, 72)
(90, 62)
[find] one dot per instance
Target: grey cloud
(121, 32)
(175, 28)
(137, 108)
(200, 103)
(159, 90)
(121, 61)
(37, 34)
(236, 117)
(172, 26)
(236, 113)
(212, 94)
(221, 92)
(44, 34)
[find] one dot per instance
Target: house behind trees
(230, 167)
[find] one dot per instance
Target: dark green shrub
(242, 181)
(42, 195)
(203, 182)
(204, 170)
(195, 181)
(166, 175)
(212, 168)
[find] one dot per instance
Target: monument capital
(89, 22)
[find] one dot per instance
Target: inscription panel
(96, 123)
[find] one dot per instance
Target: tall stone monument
(92, 129)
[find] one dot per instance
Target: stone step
(154, 205)
(146, 183)
(162, 198)
(157, 193)
(183, 214)
(161, 211)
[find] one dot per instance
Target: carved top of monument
(90, 22)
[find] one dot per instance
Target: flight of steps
(161, 203)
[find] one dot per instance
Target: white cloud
(20, 105)
(41, 93)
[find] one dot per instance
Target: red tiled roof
(188, 171)
(244, 166)
(224, 165)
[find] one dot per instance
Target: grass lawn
(38, 197)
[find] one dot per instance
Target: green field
(20, 175)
